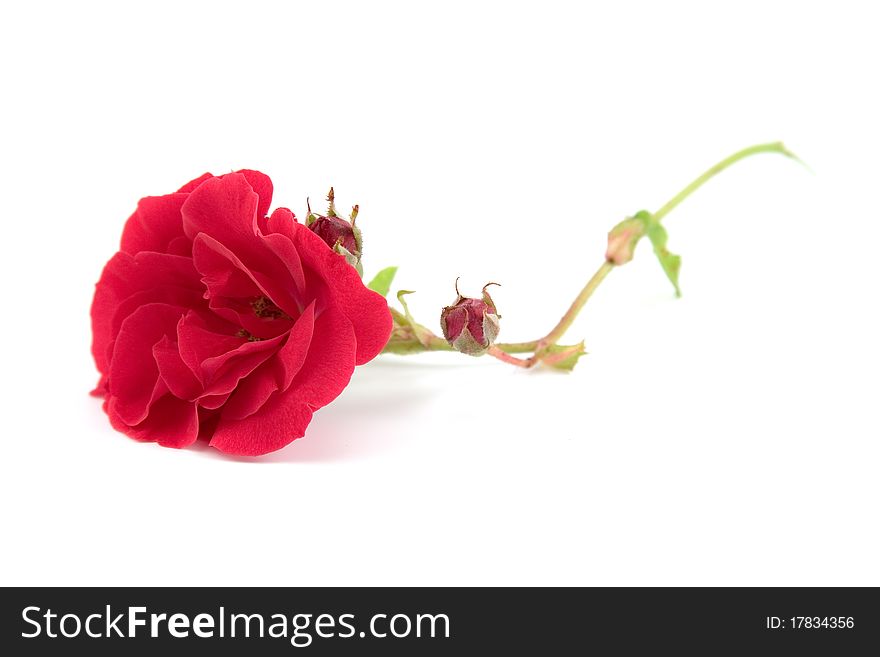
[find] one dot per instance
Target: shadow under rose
(349, 428)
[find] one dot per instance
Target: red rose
(217, 321)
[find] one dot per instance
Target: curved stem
(496, 352)
(774, 147)
(540, 348)
(580, 300)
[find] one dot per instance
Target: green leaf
(562, 357)
(670, 262)
(381, 282)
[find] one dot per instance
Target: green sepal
(350, 258)
(563, 357)
(358, 240)
(422, 334)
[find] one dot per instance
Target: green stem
(774, 147)
(571, 314)
(540, 347)
(517, 347)
(568, 318)
(406, 346)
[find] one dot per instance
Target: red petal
(172, 422)
(102, 389)
(330, 361)
(292, 356)
(456, 319)
(278, 234)
(128, 283)
(226, 209)
(197, 343)
(279, 422)
(213, 402)
(284, 418)
(274, 375)
(134, 375)
(174, 372)
(249, 395)
(154, 225)
(232, 287)
(227, 228)
(281, 221)
(104, 305)
(225, 371)
(367, 310)
(225, 274)
(262, 186)
(180, 245)
(192, 184)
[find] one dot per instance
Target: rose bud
(622, 240)
(339, 234)
(471, 325)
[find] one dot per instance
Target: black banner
(414, 621)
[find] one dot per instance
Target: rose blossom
(219, 322)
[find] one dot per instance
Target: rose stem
(540, 346)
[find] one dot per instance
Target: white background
(729, 437)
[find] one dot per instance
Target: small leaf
(381, 282)
(562, 357)
(670, 262)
